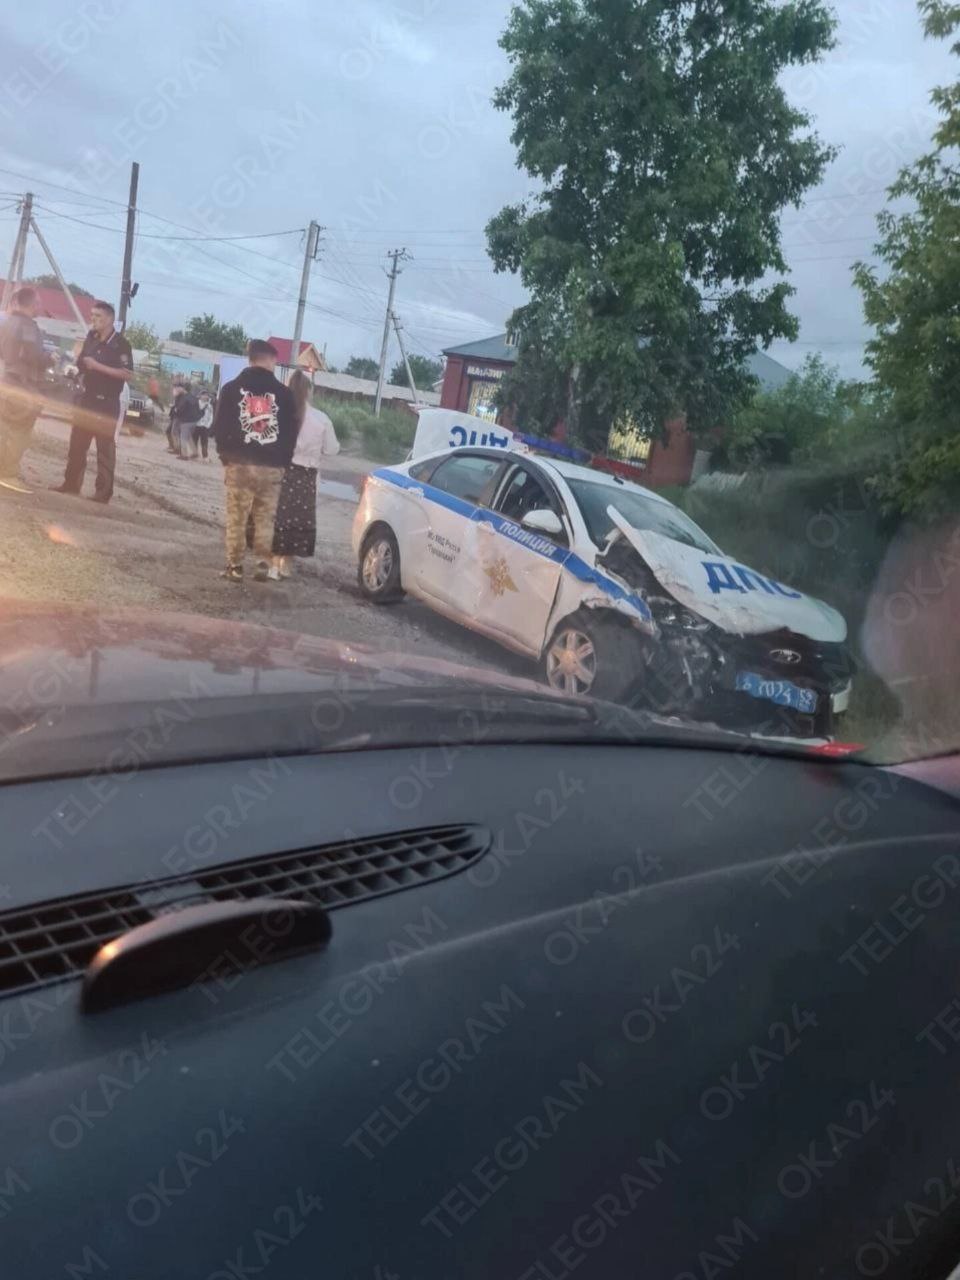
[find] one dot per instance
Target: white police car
(614, 590)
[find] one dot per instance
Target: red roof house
(309, 359)
(54, 305)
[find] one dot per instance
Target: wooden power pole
(15, 273)
(126, 285)
(310, 253)
(398, 256)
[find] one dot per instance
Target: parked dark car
(141, 410)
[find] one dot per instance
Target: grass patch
(388, 438)
(817, 530)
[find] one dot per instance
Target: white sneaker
(274, 574)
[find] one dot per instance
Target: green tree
(50, 281)
(425, 372)
(912, 304)
(215, 335)
(801, 418)
(362, 367)
(142, 337)
(664, 149)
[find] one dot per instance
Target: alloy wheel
(377, 565)
(572, 662)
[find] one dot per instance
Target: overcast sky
(373, 118)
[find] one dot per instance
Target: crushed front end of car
(771, 679)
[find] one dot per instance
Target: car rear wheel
(588, 655)
(379, 569)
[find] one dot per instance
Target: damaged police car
(612, 589)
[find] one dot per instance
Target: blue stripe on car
(582, 571)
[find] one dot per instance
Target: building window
(481, 401)
(631, 439)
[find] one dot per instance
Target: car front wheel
(588, 655)
(379, 570)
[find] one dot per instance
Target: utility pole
(78, 314)
(309, 256)
(26, 214)
(127, 289)
(398, 256)
(15, 273)
(406, 359)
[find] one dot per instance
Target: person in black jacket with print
(255, 430)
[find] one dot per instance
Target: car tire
(378, 572)
(592, 656)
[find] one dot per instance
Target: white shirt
(317, 439)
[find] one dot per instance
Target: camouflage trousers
(251, 491)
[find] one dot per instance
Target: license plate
(133, 413)
(783, 692)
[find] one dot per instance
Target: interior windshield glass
(283, 293)
(639, 511)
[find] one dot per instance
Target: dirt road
(159, 545)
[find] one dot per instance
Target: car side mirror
(543, 521)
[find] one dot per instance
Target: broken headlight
(669, 613)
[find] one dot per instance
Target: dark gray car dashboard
(693, 1013)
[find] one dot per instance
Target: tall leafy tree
(913, 305)
(49, 280)
(142, 337)
(664, 149)
(362, 367)
(207, 331)
(426, 372)
(800, 419)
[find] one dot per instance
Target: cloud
(376, 122)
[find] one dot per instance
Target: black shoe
(262, 572)
(97, 498)
(233, 573)
(62, 488)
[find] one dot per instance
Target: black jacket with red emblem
(255, 422)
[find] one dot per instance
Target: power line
(152, 235)
(229, 266)
(427, 264)
(873, 191)
(59, 186)
(362, 322)
(46, 182)
(835, 257)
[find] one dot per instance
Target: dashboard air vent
(54, 941)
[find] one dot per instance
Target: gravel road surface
(159, 545)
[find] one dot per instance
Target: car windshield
(594, 501)
(310, 325)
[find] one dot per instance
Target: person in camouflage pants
(255, 429)
(252, 494)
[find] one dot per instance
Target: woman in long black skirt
(295, 532)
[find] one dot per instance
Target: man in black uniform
(105, 363)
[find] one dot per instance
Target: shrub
(818, 529)
(821, 530)
(388, 438)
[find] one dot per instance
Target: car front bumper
(805, 683)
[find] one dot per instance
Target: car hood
(732, 596)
